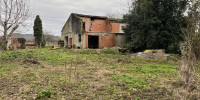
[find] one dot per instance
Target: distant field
(102, 74)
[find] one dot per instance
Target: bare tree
(114, 15)
(49, 38)
(127, 5)
(188, 49)
(13, 13)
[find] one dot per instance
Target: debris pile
(152, 54)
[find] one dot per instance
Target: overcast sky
(54, 13)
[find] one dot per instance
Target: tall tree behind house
(155, 24)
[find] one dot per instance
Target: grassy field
(89, 75)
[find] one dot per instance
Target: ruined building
(86, 31)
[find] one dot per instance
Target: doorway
(93, 42)
(66, 39)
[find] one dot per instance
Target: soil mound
(30, 62)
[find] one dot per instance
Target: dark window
(84, 26)
(67, 43)
(79, 37)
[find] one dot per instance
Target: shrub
(174, 48)
(21, 40)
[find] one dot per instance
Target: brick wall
(87, 23)
(108, 27)
(108, 40)
(115, 27)
(98, 25)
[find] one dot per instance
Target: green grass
(129, 80)
(151, 68)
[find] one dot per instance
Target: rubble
(152, 54)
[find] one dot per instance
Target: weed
(14, 85)
(34, 85)
(137, 99)
(22, 92)
(48, 93)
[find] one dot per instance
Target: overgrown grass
(97, 74)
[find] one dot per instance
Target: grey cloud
(54, 13)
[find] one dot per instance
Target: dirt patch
(152, 94)
(31, 61)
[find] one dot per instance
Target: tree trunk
(3, 47)
(5, 42)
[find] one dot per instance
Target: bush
(21, 40)
(43, 43)
(174, 48)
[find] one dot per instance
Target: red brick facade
(108, 40)
(115, 27)
(101, 25)
(98, 25)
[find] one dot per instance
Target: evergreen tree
(155, 24)
(38, 33)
